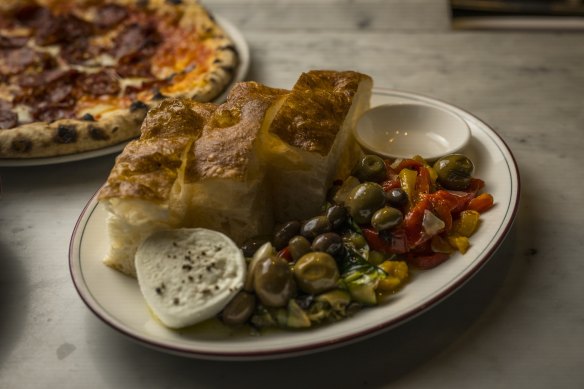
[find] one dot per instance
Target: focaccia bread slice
(265, 155)
(142, 190)
(224, 183)
(310, 139)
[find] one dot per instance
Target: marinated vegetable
(370, 168)
(316, 272)
(364, 200)
(454, 171)
(387, 219)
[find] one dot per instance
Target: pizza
(80, 75)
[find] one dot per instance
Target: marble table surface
(519, 323)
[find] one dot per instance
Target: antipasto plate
(116, 298)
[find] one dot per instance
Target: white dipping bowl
(406, 130)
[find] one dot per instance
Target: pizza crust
(70, 136)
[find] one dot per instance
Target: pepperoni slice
(8, 119)
(61, 29)
(135, 66)
(12, 42)
(136, 39)
(18, 60)
(32, 15)
(77, 52)
(47, 77)
(99, 84)
(51, 94)
(110, 15)
(50, 114)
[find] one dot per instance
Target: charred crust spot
(115, 129)
(97, 133)
(229, 69)
(228, 48)
(142, 3)
(158, 95)
(174, 2)
(136, 105)
(21, 145)
(66, 134)
(8, 119)
(88, 117)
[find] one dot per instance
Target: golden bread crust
(223, 150)
(148, 167)
(312, 115)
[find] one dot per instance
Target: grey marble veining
(519, 323)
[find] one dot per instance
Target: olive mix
(359, 250)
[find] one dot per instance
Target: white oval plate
(240, 74)
(116, 299)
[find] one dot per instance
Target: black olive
(250, 246)
(329, 243)
(396, 197)
(284, 233)
(313, 227)
(337, 216)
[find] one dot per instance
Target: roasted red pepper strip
(464, 197)
(481, 203)
(423, 181)
(413, 223)
(394, 242)
(390, 184)
(285, 253)
(427, 261)
(408, 164)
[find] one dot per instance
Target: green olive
(370, 168)
(284, 233)
(375, 257)
(316, 272)
(357, 241)
(329, 242)
(364, 200)
(313, 227)
(273, 281)
(239, 309)
(298, 246)
(454, 171)
(386, 218)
